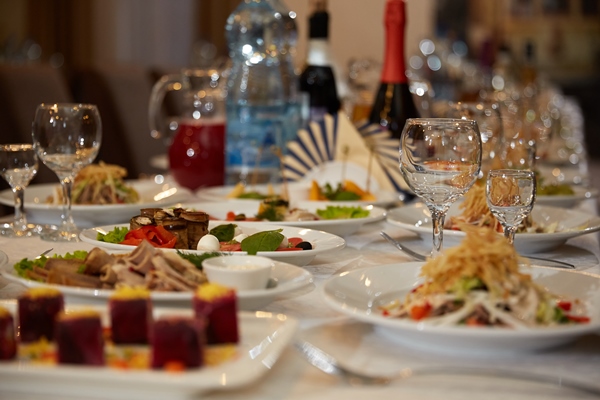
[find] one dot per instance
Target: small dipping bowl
(239, 272)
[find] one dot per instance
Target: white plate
(567, 200)
(298, 192)
(358, 294)
(285, 278)
(322, 242)
(340, 227)
(416, 218)
(263, 338)
(87, 216)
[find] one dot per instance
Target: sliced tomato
(293, 241)
(230, 216)
(420, 311)
(579, 320)
(225, 246)
(564, 305)
(158, 236)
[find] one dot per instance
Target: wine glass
(440, 159)
(66, 138)
(18, 166)
(510, 196)
(489, 120)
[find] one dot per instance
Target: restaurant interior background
(110, 52)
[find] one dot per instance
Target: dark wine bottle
(393, 103)
(317, 78)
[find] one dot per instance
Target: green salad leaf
(262, 241)
(224, 233)
(342, 212)
(338, 193)
(26, 264)
(117, 235)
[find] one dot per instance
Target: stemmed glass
(18, 166)
(66, 137)
(510, 196)
(440, 159)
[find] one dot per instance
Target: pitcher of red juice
(195, 131)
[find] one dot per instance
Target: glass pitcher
(196, 135)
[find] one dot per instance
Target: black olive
(304, 246)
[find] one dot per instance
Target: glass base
(8, 230)
(58, 235)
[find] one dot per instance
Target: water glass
(66, 138)
(18, 166)
(510, 196)
(440, 160)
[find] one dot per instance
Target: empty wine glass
(18, 166)
(489, 120)
(66, 138)
(440, 159)
(510, 196)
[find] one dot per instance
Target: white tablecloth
(360, 346)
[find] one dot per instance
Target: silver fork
(328, 364)
(417, 256)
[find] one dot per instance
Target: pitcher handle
(165, 84)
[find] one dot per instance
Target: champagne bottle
(317, 78)
(393, 102)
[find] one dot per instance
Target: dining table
(361, 346)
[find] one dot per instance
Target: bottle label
(394, 67)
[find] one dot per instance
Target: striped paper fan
(312, 147)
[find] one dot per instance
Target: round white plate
(359, 293)
(417, 218)
(87, 216)
(298, 192)
(322, 242)
(567, 200)
(263, 337)
(340, 227)
(285, 278)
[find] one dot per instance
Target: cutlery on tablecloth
(544, 262)
(328, 364)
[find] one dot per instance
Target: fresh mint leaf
(262, 241)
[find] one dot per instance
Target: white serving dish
(571, 223)
(322, 242)
(263, 337)
(359, 293)
(240, 273)
(86, 216)
(340, 227)
(286, 280)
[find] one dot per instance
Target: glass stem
(20, 223)
(67, 218)
(509, 233)
(437, 218)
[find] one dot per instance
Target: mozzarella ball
(240, 237)
(284, 243)
(209, 243)
(237, 231)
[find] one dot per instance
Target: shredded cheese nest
(475, 210)
(483, 254)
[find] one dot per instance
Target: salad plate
(263, 338)
(567, 200)
(569, 224)
(285, 279)
(340, 227)
(298, 192)
(322, 242)
(360, 293)
(152, 194)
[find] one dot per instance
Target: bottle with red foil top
(393, 102)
